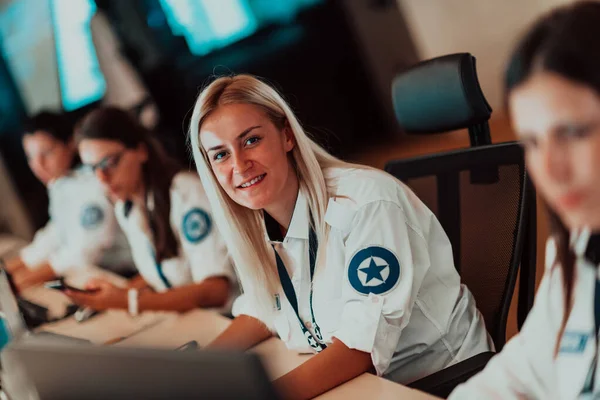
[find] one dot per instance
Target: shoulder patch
(374, 270)
(91, 216)
(196, 225)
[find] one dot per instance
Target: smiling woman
(337, 259)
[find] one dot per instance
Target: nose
(557, 162)
(240, 163)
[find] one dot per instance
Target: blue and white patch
(92, 216)
(196, 225)
(573, 342)
(373, 270)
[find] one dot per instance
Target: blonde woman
(337, 259)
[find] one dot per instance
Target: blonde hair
(242, 228)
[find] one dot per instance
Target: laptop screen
(13, 323)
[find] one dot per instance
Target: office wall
(486, 28)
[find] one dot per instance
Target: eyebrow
(241, 135)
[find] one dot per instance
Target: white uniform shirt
(526, 368)
(82, 230)
(388, 287)
(202, 251)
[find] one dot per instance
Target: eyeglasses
(108, 163)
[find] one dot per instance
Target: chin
(254, 203)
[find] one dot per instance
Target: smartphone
(59, 284)
(193, 345)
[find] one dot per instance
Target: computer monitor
(100, 372)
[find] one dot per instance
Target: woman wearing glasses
(82, 230)
(164, 212)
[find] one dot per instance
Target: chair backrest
(481, 198)
(481, 195)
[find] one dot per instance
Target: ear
(289, 139)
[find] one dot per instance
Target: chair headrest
(440, 95)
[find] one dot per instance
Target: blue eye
(219, 156)
(252, 140)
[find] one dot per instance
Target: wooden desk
(204, 326)
(170, 330)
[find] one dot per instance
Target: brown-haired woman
(165, 215)
(553, 95)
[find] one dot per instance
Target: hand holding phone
(60, 284)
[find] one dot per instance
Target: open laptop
(15, 322)
(104, 372)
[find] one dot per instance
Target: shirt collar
(587, 244)
(298, 228)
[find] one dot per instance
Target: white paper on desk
(107, 326)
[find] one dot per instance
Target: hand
(105, 296)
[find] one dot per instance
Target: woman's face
(558, 121)
(118, 168)
(248, 155)
(49, 158)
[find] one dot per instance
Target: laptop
(11, 314)
(76, 372)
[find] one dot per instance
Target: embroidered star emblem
(373, 271)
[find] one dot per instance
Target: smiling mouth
(252, 182)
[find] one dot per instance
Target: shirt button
(375, 300)
(308, 324)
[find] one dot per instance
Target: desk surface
(170, 330)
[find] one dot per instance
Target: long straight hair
(242, 228)
(561, 42)
(114, 124)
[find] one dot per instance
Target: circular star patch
(374, 270)
(91, 216)
(196, 225)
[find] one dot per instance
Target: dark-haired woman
(82, 230)
(553, 93)
(164, 212)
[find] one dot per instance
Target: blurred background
(333, 60)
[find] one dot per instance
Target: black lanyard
(592, 254)
(127, 206)
(591, 377)
(315, 341)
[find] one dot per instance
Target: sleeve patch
(92, 216)
(374, 270)
(196, 225)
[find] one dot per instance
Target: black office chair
(482, 196)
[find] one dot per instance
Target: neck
(139, 195)
(283, 210)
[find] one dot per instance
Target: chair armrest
(443, 382)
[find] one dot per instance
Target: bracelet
(132, 302)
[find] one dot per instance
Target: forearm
(25, 278)
(330, 368)
(243, 333)
(15, 265)
(210, 293)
